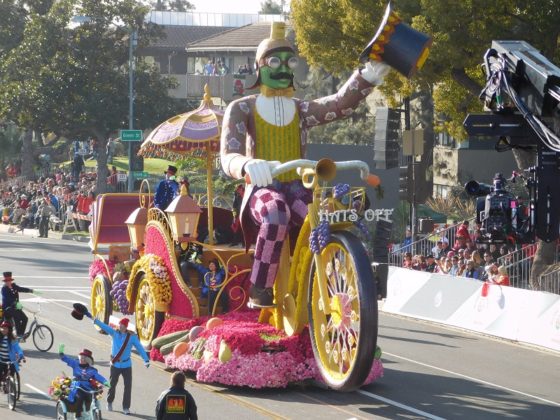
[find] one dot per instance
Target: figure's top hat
(79, 311)
(171, 170)
(397, 44)
(7, 275)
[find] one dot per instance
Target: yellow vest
(278, 143)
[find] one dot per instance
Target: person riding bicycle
(11, 305)
(261, 131)
(10, 351)
(84, 377)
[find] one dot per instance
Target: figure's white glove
(375, 72)
(259, 171)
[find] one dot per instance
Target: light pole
(132, 43)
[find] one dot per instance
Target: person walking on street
(121, 364)
(45, 210)
(11, 306)
(176, 402)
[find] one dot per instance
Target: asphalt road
(430, 371)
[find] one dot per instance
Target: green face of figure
(278, 70)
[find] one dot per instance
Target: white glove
(375, 72)
(259, 171)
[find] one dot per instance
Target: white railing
(550, 282)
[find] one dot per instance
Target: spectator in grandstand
(444, 248)
(501, 277)
(494, 251)
(431, 264)
(463, 230)
(419, 263)
(471, 271)
(437, 251)
(407, 261)
(405, 246)
(455, 267)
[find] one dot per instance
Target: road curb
(34, 233)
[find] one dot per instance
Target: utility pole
(131, 65)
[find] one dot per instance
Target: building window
(441, 191)
(444, 139)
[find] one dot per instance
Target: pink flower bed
(262, 356)
(97, 267)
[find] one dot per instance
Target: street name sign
(131, 135)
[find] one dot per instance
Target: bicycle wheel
(18, 384)
(12, 393)
(43, 338)
(344, 340)
(60, 411)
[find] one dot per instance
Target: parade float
(324, 320)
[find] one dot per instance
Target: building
(456, 163)
(191, 39)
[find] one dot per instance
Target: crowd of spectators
(464, 257)
(49, 201)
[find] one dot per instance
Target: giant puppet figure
(261, 131)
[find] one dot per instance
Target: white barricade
(516, 314)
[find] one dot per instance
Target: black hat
(7, 275)
(79, 311)
(430, 256)
(172, 170)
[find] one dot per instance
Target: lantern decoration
(183, 214)
(136, 224)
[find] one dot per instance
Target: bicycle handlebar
(298, 164)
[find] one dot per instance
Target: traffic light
(387, 136)
(405, 183)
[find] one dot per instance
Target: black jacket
(11, 296)
(176, 403)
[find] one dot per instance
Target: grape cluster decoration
(340, 192)
(319, 237)
(118, 293)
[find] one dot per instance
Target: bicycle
(11, 385)
(43, 337)
(64, 408)
(331, 278)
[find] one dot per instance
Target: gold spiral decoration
(227, 280)
(144, 198)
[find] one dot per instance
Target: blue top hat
(397, 44)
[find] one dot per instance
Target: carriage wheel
(148, 320)
(60, 412)
(344, 340)
(101, 301)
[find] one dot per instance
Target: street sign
(139, 175)
(121, 177)
(413, 142)
(131, 135)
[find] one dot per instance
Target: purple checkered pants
(275, 209)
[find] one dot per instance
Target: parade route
(430, 372)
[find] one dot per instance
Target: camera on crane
(500, 215)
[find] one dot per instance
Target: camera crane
(522, 94)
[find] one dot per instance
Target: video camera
(523, 94)
(502, 217)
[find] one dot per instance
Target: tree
(332, 33)
(270, 7)
(75, 81)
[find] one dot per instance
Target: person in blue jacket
(167, 189)
(211, 278)
(10, 351)
(121, 364)
(83, 374)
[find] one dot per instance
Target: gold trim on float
(159, 225)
